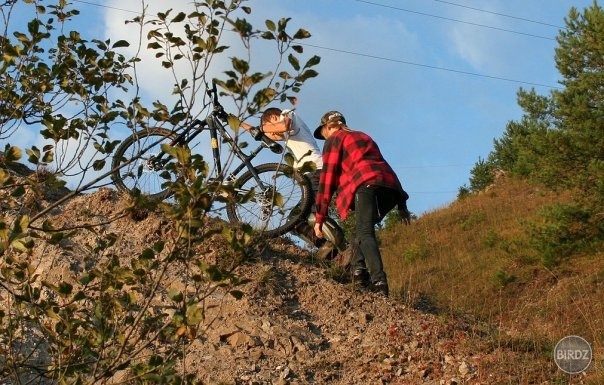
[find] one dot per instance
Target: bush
(565, 229)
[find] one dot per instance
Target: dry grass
(473, 258)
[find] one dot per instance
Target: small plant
(503, 278)
(472, 221)
(415, 253)
(564, 229)
(491, 239)
(267, 281)
(463, 192)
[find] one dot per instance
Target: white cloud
(478, 46)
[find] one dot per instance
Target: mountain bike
(270, 197)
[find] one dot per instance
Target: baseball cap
(328, 117)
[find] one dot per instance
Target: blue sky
(433, 82)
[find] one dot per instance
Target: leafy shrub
(503, 278)
(414, 253)
(481, 175)
(491, 239)
(463, 192)
(474, 220)
(564, 230)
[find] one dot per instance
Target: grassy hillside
(477, 257)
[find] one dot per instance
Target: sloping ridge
(294, 324)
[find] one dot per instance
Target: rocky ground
(297, 324)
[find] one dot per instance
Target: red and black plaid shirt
(351, 159)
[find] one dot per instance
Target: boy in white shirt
(287, 126)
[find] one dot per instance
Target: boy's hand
(256, 132)
(319, 230)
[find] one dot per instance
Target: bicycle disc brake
(265, 201)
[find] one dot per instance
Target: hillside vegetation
(102, 288)
(522, 247)
(479, 258)
(100, 307)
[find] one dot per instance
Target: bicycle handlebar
(274, 146)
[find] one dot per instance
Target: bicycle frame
(269, 196)
(210, 123)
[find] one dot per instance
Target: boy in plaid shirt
(354, 168)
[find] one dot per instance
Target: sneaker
(380, 287)
(360, 277)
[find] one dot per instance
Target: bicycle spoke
(273, 207)
(137, 165)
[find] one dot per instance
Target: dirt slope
(295, 325)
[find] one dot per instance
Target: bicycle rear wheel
(275, 203)
(137, 167)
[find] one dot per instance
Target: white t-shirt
(301, 143)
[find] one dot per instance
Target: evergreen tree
(579, 107)
(560, 139)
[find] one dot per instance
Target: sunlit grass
(474, 257)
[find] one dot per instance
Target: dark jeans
(372, 203)
(314, 177)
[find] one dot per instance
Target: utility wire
(105, 6)
(455, 20)
(431, 66)
(381, 57)
(501, 14)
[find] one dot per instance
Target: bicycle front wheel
(273, 202)
(139, 163)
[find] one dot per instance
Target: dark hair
(269, 112)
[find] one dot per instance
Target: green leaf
(270, 25)
(33, 154)
(87, 278)
(121, 44)
(294, 62)
(56, 238)
(51, 313)
(312, 61)
(302, 34)
(65, 288)
(98, 164)
(194, 315)
(240, 66)
(147, 254)
(159, 246)
(180, 17)
(289, 159)
(12, 154)
(48, 157)
(278, 200)
(175, 295)
(307, 74)
(266, 35)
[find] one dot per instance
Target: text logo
(572, 354)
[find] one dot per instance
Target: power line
(380, 57)
(501, 14)
(431, 66)
(106, 6)
(455, 20)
